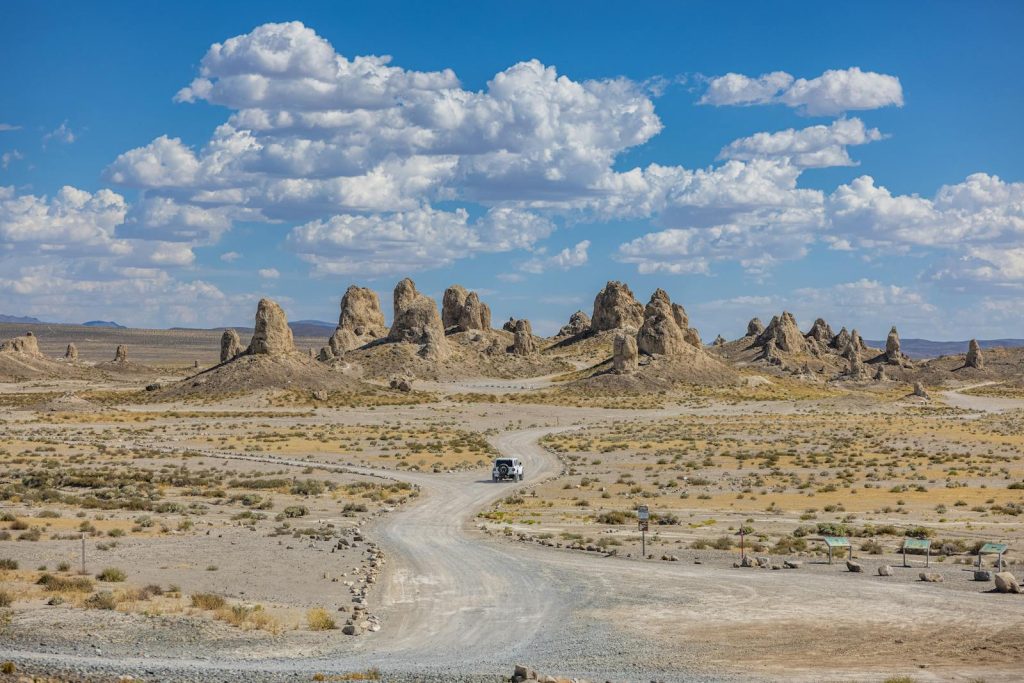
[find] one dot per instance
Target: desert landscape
(189, 505)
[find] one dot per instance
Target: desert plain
(205, 507)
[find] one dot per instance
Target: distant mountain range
(18, 319)
(300, 328)
(103, 323)
(925, 348)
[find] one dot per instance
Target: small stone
(855, 567)
(930, 577)
(885, 570)
(982, 575)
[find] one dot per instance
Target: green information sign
(916, 544)
(989, 548)
(837, 542)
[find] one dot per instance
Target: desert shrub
(788, 545)
(8, 668)
(833, 529)
(6, 599)
(210, 601)
(111, 575)
(101, 600)
(18, 525)
(293, 511)
(615, 517)
(871, 546)
(30, 535)
(60, 584)
(666, 518)
(8, 563)
(64, 567)
(320, 620)
(918, 532)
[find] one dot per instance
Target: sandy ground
(455, 602)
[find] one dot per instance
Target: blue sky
(860, 163)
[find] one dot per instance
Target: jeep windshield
(499, 463)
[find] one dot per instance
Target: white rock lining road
(454, 602)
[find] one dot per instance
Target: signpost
(996, 549)
(643, 516)
(917, 544)
(833, 542)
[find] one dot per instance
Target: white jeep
(507, 468)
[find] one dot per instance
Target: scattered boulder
(664, 329)
(579, 322)
(26, 345)
(930, 577)
(792, 564)
(417, 320)
(616, 308)
(855, 567)
(974, 358)
(523, 343)
(71, 353)
(361, 320)
(402, 384)
(272, 336)
(121, 353)
(982, 575)
(230, 345)
(755, 327)
(624, 356)
(919, 390)
(885, 570)
(1006, 582)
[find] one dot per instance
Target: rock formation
(615, 307)
(26, 345)
(230, 345)
(451, 305)
(755, 327)
(510, 325)
(784, 332)
(524, 344)
(361, 320)
(840, 341)
(820, 331)
(464, 311)
(858, 342)
(719, 340)
(893, 355)
(974, 358)
(665, 327)
(919, 390)
(579, 322)
(272, 336)
(624, 356)
(325, 355)
(856, 369)
(880, 375)
(71, 353)
(416, 318)
(435, 347)
(121, 353)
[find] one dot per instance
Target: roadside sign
(643, 515)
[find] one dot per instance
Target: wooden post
(83, 553)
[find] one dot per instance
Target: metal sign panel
(644, 525)
(997, 548)
(916, 544)
(642, 513)
(837, 542)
